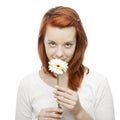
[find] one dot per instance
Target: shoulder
(95, 77)
(95, 82)
(29, 80)
(94, 92)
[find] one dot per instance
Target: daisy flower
(57, 66)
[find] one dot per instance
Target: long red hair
(65, 17)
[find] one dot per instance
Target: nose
(59, 52)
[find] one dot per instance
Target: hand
(50, 114)
(68, 98)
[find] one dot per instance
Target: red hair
(65, 17)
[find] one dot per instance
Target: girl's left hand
(68, 98)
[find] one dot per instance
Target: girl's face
(60, 43)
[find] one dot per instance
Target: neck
(50, 80)
(63, 80)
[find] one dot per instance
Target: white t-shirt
(94, 93)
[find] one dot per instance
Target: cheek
(49, 52)
(70, 53)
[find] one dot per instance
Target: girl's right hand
(50, 114)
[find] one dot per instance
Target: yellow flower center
(58, 65)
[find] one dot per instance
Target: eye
(52, 44)
(68, 45)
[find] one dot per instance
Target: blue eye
(52, 44)
(68, 45)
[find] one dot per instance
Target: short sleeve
(104, 109)
(23, 105)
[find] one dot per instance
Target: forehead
(53, 33)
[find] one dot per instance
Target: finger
(58, 94)
(65, 100)
(68, 106)
(49, 118)
(66, 95)
(67, 90)
(57, 110)
(53, 115)
(50, 113)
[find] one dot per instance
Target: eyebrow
(64, 41)
(50, 41)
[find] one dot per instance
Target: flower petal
(57, 66)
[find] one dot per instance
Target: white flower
(57, 66)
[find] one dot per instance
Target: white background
(19, 27)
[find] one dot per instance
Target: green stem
(59, 106)
(57, 79)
